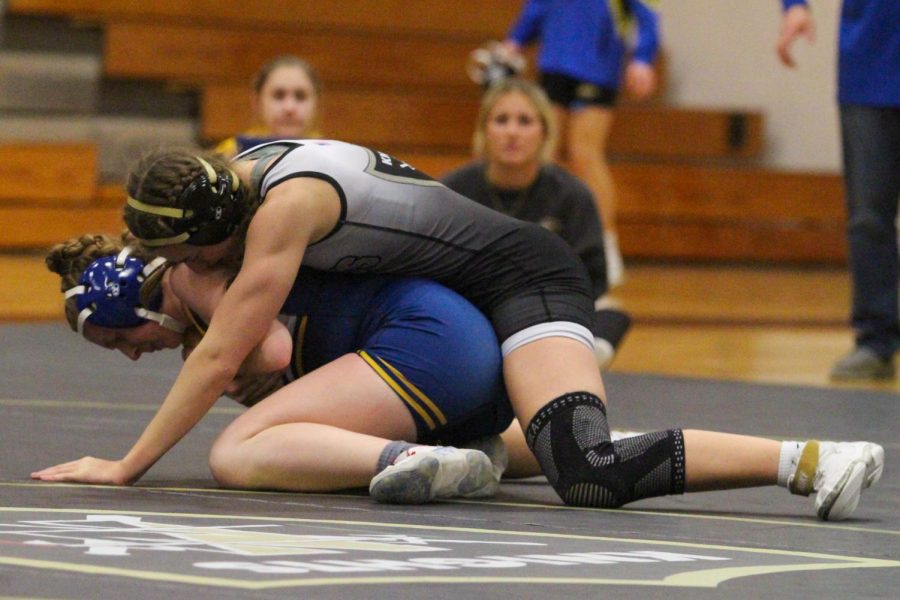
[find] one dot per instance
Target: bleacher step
(48, 82)
(121, 139)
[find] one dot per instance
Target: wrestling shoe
(494, 449)
(838, 472)
(427, 473)
(863, 363)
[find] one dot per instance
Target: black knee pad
(570, 438)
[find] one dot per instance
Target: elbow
(220, 367)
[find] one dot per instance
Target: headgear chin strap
(109, 293)
(212, 209)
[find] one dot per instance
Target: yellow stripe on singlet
(299, 334)
(425, 399)
(404, 395)
(195, 319)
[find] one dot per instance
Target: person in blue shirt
(584, 49)
(869, 103)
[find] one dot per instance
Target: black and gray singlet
(395, 219)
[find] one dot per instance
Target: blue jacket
(586, 39)
(869, 52)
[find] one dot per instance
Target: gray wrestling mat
(176, 535)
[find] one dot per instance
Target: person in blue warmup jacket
(869, 103)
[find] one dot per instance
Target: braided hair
(181, 195)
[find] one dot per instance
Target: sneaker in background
(609, 326)
(862, 363)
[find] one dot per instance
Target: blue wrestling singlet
(430, 345)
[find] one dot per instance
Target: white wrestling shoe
(495, 450)
(838, 472)
(427, 473)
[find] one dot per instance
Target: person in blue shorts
(586, 50)
(354, 362)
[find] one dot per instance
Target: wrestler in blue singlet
(436, 351)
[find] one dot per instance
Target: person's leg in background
(586, 138)
(871, 146)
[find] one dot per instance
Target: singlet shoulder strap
(260, 154)
(258, 172)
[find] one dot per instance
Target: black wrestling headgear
(211, 209)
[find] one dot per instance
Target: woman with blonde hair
(513, 173)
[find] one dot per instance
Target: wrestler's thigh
(344, 393)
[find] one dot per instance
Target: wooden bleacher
(40, 227)
(471, 18)
(715, 213)
(62, 174)
(184, 53)
(395, 120)
(50, 193)
(396, 80)
(704, 212)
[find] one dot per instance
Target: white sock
(615, 266)
(787, 461)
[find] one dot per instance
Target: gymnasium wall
(722, 54)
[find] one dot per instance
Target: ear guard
(211, 212)
(109, 293)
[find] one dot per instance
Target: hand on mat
(87, 470)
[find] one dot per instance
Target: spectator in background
(513, 138)
(869, 103)
(583, 47)
(286, 95)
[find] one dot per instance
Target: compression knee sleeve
(570, 438)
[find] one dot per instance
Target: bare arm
(640, 79)
(202, 293)
(295, 213)
(797, 22)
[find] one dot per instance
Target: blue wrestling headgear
(109, 294)
(212, 209)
